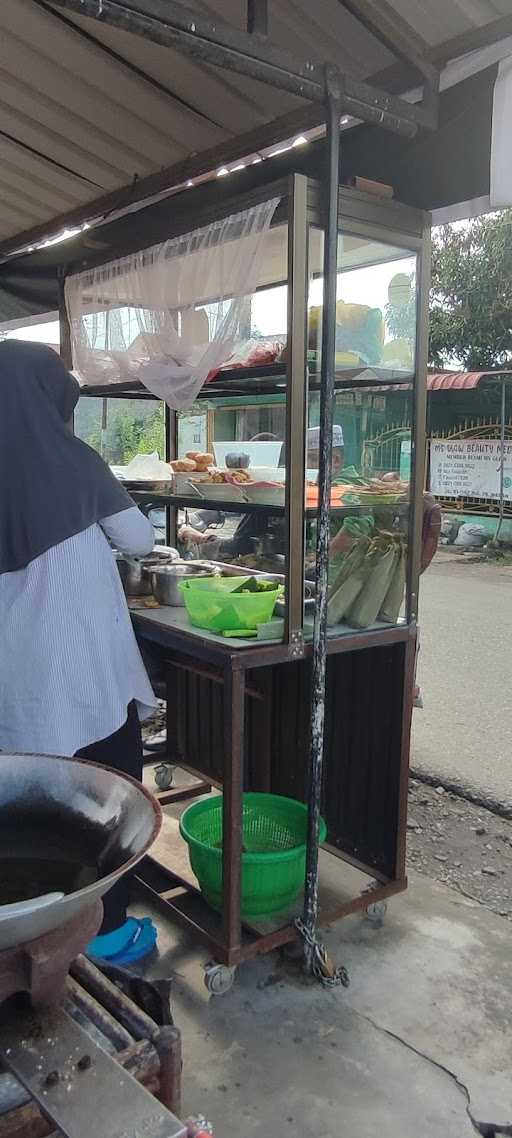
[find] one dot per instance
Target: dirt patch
(461, 844)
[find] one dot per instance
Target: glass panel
(370, 507)
(123, 317)
(120, 429)
(376, 304)
(258, 423)
(247, 437)
(192, 431)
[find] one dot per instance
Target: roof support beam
(398, 78)
(257, 17)
(388, 27)
(172, 24)
(473, 40)
(379, 18)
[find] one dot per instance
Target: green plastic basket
(274, 851)
(211, 604)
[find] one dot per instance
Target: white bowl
(268, 473)
(265, 495)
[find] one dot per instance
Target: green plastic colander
(274, 851)
(211, 603)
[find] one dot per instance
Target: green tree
(133, 427)
(471, 296)
(134, 433)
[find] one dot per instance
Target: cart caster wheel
(218, 978)
(164, 776)
(376, 913)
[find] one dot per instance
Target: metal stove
(77, 1055)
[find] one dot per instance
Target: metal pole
(316, 744)
(104, 424)
(502, 461)
(66, 354)
(257, 17)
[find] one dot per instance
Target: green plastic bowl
(211, 604)
(274, 833)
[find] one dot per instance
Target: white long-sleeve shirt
(69, 660)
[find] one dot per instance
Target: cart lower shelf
(167, 878)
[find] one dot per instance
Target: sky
(41, 333)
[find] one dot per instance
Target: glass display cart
(238, 706)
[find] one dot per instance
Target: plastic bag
(348, 582)
(249, 353)
(367, 604)
(393, 600)
(147, 466)
(343, 598)
(471, 535)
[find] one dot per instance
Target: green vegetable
(240, 633)
(351, 477)
(256, 585)
(359, 527)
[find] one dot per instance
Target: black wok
(68, 830)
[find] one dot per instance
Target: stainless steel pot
(136, 572)
(135, 582)
(66, 812)
(166, 578)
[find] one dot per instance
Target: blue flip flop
(132, 941)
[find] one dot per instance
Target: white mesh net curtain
(170, 314)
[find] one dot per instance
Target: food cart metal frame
(252, 53)
(245, 674)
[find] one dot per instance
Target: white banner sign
(470, 468)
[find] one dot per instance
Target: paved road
(465, 669)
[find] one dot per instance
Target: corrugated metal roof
(86, 108)
(459, 380)
(445, 381)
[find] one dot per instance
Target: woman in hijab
(72, 681)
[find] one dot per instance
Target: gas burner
(93, 1050)
(40, 967)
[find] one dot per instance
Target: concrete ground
(465, 670)
(419, 1046)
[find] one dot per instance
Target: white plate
(185, 483)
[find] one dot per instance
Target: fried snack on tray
(229, 476)
(183, 465)
(194, 462)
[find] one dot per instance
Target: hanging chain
(322, 966)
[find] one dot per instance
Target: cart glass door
(376, 322)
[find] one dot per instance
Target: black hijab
(52, 485)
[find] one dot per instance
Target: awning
(460, 380)
(445, 381)
(88, 110)
(96, 121)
